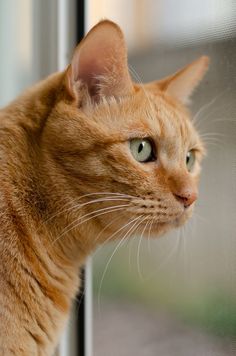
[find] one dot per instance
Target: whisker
(110, 195)
(149, 235)
(183, 240)
(212, 134)
(206, 106)
(131, 242)
(213, 141)
(137, 77)
(79, 222)
(106, 227)
(173, 250)
(123, 227)
(120, 229)
(99, 200)
(138, 251)
(133, 227)
(94, 212)
(196, 215)
(231, 120)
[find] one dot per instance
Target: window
(174, 295)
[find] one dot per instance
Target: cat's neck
(30, 173)
(43, 278)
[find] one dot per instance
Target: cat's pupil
(140, 147)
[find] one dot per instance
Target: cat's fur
(64, 144)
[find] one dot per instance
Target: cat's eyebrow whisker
(78, 222)
(212, 137)
(231, 120)
(214, 143)
(212, 134)
(209, 119)
(137, 77)
(128, 233)
(206, 106)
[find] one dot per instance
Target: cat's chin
(160, 228)
(183, 218)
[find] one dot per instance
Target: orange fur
(65, 156)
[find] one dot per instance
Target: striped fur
(69, 181)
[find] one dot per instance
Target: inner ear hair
(100, 62)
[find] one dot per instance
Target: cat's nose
(183, 188)
(186, 197)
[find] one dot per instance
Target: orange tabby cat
(86, 156)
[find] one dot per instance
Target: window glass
(176, 295)
(15, 47)
(28, 44)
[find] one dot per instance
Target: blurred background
(173, 296)
(177, 295)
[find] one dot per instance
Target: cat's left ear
(100, 64)
(182, 83)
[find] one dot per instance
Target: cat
(87, 156)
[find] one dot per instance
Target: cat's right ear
(100, 63)
(182, 84)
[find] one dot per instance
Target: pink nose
(187, 197)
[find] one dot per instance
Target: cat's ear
(100, 62)
(182, 83)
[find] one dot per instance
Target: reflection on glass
(15, 47)
(176, 295)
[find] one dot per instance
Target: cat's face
(141, 151)
(135, 156)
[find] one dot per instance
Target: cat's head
(127, 153)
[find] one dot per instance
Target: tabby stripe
(39, 324)
(49, 291)
(22, 230)
(36, 338)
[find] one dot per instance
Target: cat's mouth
(154, 224)
(157, 225)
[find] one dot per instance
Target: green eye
(142, 149)
(190, 160)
